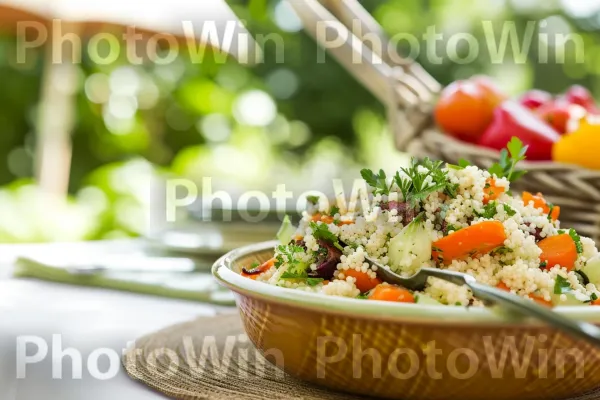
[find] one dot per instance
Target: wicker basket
(410, 92)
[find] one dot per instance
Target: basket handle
(401, 84)
(354, 16)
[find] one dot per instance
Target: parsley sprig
(322, 232)
(505, 168)
(314, 200)
(509, 210)
(462, 164)
(296, 269)
(423, 178)
(489, 210)
(287, 254)
(377, 181)
(415, 182)
(562, 285)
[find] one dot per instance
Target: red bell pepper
(513, 119)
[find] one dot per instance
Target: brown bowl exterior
(416, 359)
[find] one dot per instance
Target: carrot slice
(328, 219)
(474, 240)
(559, 249)
(540, 300)
(256, 272)
(391, 293)
(596, 302)
(539, 202)
(491, 191)
(364, 282)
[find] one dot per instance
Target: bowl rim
(379, 310)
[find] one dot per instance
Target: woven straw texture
(150, 363)
(169, 361)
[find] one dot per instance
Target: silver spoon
(489, 294)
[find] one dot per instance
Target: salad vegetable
(286, 231)
(385, 292)
(411, 247)
(456, 217)
(559, 250)
(512, 119)
(476, 239)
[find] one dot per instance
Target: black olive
(582, 277)
(329, 258)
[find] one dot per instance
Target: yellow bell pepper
(580, 147)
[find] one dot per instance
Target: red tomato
(580, 96)
(492, 92)
(557, 114)
(464, 111)
(535, 99)
(513, 119)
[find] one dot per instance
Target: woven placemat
(212, 359)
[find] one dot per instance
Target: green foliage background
(322, 112)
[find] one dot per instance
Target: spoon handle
(512, 302)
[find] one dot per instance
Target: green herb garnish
(462, 164)
(334, 210)
(550, 211)
(594, 297)
(254, 265)
(543, 264)
(364, 296)
(423, 178)
(417, 181)
(451, 227)
(503, 250)
(289, 252)
(322, 232)
(509, 210)
(314, 200)
(577, 240)
(562, 285)
(489, 210)
(508, 161)
(377, 181)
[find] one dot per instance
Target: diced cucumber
(427, 300)
(571, 300)
(592, 270)
(286, 231)
(410, 248)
